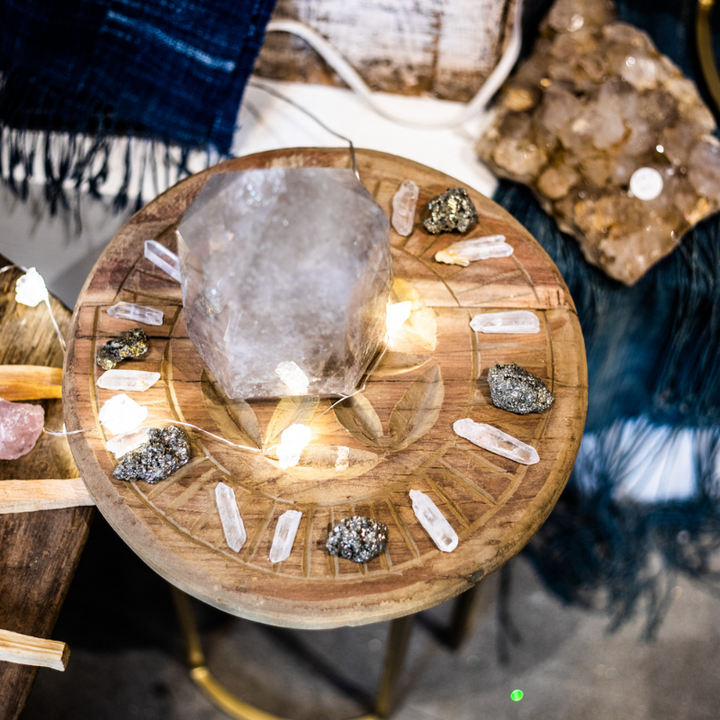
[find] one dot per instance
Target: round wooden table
(399, 430)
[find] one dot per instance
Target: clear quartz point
(230, 519)
(516, 322)
(123, 444)
(496, 441)
(127, 380)
(285, 531)
(121, 414)
(165, 259)
(464, 252)
(434, 522)
(136, 313)
(404, 205)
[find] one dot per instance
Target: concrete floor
(126, 659)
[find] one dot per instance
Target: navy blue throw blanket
(653, 355)
(171, 71)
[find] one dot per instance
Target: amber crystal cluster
(610, 135)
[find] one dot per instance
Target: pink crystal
(20, 427)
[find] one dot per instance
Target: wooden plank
(27, 650)
(20, 496)
(30, 382)
(494, 504)
(410, 47)
(38, 551)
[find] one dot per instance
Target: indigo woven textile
(168, 69)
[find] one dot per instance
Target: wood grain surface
(27, 650)
(410, 47)
(399, 431)
(38, 551)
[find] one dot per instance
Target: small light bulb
(293, 441)
(30, 289)
(397, 314)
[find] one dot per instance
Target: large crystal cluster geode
(285, 280)
(613, 139)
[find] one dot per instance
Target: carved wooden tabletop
(399, 431)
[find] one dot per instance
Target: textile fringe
(70, 165)
(652, 347)
(652, 354)
(603, 553)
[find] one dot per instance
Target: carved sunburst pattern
(367, 452)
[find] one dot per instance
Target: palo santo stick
(30, 382)
(18, 496)
(28, 650)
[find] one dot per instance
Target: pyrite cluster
(610, 135)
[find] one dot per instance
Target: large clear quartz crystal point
(285, 277)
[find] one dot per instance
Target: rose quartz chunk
(20, 427)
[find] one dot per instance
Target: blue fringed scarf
(171, 71)
(653, 356)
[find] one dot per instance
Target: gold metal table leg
(464, 616)
(398, 642)
(705, 50)
(204, 679)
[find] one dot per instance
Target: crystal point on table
(482, 248)
(496, 441)
(515, 322)
(404, 206)
(232, 524)
(434, 522)
(163, 258)
(122, 444)
(285, 531)
(127, 380)
(130, 344)
(357, 538)
(121, 414)
(166, 450)
(452, 210)
(514, 389)
(136, 313)
(285, 266)
(20, 426)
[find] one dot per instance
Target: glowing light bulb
(516, 695)
(397, 314)
(293, 376)
(293, 441)
(30, 289)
